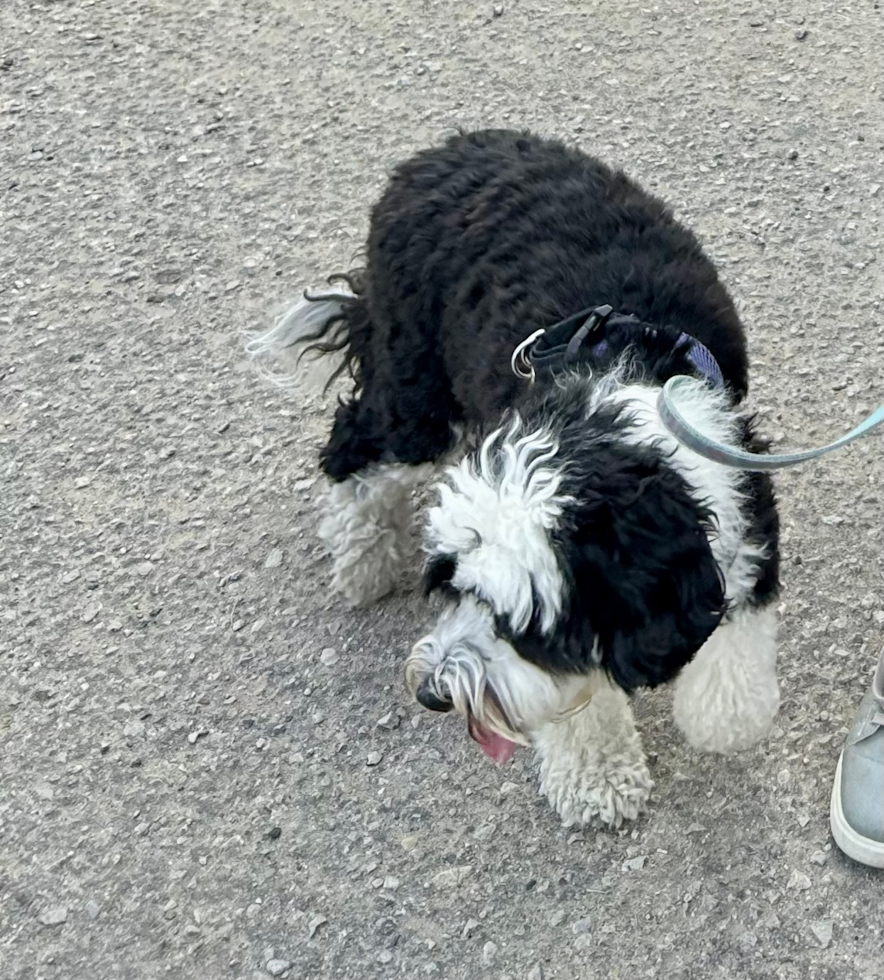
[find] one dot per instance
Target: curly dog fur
(579, 548)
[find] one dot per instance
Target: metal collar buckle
(519, 362)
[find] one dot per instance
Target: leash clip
(520, 363)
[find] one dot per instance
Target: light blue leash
(738, 458)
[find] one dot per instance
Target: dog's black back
(507, 233)
(476, 244)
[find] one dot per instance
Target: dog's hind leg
(386, 436)
(376, 465)
(385, 442)
(592, 765)
(367, 527)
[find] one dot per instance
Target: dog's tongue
(500, 749)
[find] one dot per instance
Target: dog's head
(563, 552)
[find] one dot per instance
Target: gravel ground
(210, 768)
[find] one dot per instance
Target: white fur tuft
(293, 332)
(495, 513)
(727, 698)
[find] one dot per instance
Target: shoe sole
(862, 849)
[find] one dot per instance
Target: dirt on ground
(210, 768)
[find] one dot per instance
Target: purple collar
(561, 343)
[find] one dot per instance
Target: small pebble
(536, 972)
(581, 926)
(489, 953)
(93, 909)
(469, 928)
(315, 923)
(799, 881)
(134, 728)
(634, 864)
(508, 788)
(54, 917)
(91, 611)
(391, 883)
(373, 758)
(389, 721)
(329, 657)
(274, 559)
(485, 831)
(823, 931)
(819, 858)
(277, 967)
(452, 877)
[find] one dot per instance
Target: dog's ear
(645, 590)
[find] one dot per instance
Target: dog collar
(561, 343)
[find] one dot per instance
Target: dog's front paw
(726, 699)
(725, 718)
(606, 791)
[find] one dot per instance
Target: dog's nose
(429, 697)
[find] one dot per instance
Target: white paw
(725, 718)
(727, 698)
(368, 570)
(367, 529)
(605, 791)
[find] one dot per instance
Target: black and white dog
(581, 552)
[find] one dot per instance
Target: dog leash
(718, 452)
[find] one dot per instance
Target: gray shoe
(857, 811)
